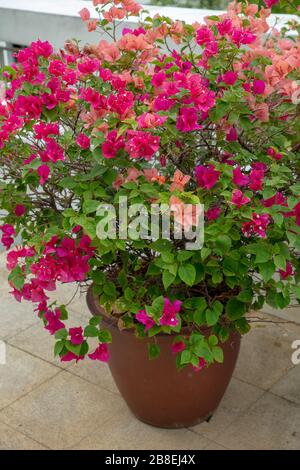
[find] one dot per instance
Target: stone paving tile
(63, 411)
(266, 353)
(124, 431)
(21, 374)
(96, 373)
(38, 342)
(237, 399)
(289, 385)
(14, 316)
(271, 423)
(215, 446)
(10, 439)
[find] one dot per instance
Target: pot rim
(113, 322)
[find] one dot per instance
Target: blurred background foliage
(284, 6)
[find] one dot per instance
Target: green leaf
(74, 348)
(218, 354)
(296, 291)
(105, 336)
(184, 255)
(153, 350)
(205, 252)
(90, 206)
(212, 340)
(242, 326)
(223, 243)
(167, 279)
(91, 331)
(94, 321)
(212, 316)
(61, 334)
(187, 274)
(235, 309)
(58, 347)
(280, 262)
(185, 357)
(16, 277)
(245, 296)
(267, 270)
(63, 312)
(110, 289)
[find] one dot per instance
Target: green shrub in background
(284, 6)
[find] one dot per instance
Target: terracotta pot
(154, 390)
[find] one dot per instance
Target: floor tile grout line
(9, 337)
(212, 441)
(240, 415)
(92, 383)
(94, 429)
(30, 391)
(291, 402)
(35, 356)
(24, 434)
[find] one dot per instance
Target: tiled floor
(44, 404)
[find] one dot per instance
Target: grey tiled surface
(47, 405)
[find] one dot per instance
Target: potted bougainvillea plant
(163, 113)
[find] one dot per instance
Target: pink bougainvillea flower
(52, 153)
(258, 87)
(42, 130)
(141, 144)
(288, 271)
(270, 3)
(76, 335)
(69, 356)
(238, 199)
(101, 353)
(239, 178)
(170, 311)
(276, 155)
(213, 213)
(150, 120)
(204, 35)
(206, 176)
(201, 365)
(144, 318)
(179, 181)
(242, 36)
(53, 321)
(42, 48)
(187, 120)
(257, 226)
(112, 144)
(232, 135)
(294, 213)
(278, 199)
(158, 78)
(43, 172)
(184, 215)
(84, 14)
(83, 141)
(152, 175)
(19, 210)
(178, 347)
(88, 66)
(256, 180)
(229, 77)
(225, 27)
(92, 25)
(7, 235)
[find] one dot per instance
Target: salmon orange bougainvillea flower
(167, 113)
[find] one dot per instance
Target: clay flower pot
(154, 390)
